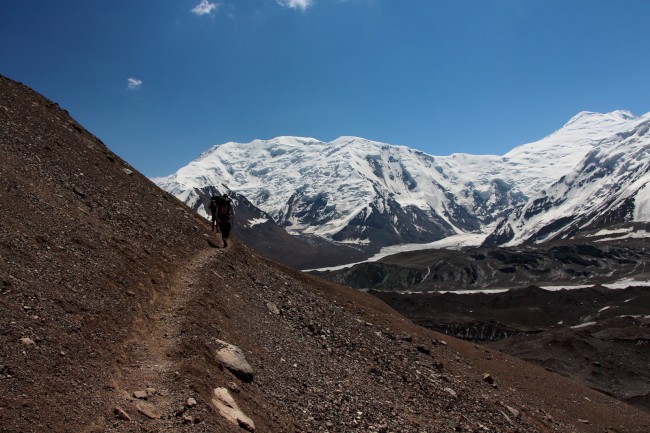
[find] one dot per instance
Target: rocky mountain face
(359, 192)
(121, 314)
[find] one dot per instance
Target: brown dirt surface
(113, 300)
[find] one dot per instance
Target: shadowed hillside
(119, 315)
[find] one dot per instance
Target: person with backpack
(214, 205)
(223, 215)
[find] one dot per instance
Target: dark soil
(113, 294)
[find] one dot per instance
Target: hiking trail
(144, 379)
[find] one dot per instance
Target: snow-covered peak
(292, 141)
(609, 185)
(589, 119)
(352, 187)
(551, 157)
(584, 129)
(590, 127)
(310, 186)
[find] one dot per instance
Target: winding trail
(148, 364)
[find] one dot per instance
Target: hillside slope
(115, 304)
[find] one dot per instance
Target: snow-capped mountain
(609, 185)
(357, 191)
(353, 190)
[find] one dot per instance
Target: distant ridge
(369, 194)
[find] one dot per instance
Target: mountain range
(590, 173)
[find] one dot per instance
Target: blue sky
(161, 81)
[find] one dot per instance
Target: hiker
(214, 205)
(225, 213)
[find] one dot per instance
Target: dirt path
(144, 379)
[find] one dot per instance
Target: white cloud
(204, 8)
(296, 4)
(134, 83)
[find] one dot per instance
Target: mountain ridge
(357, 191)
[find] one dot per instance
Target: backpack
(224, 209)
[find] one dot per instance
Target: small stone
(148, 410)
(26, 341)
(121, 414)
(513, 411)
(424, 349)
(487, 377)
(223, 402)
(584, 421)
(150, 392)
(451, 392)
(79, 192)
(191, 402)
(273, 308)
(232, 386)
(140, 394)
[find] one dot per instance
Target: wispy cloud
(133, 83)
(204, 8)
(296, 4)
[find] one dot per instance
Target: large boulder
(232, 358)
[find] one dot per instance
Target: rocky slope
(119, 314)
(596, 335)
